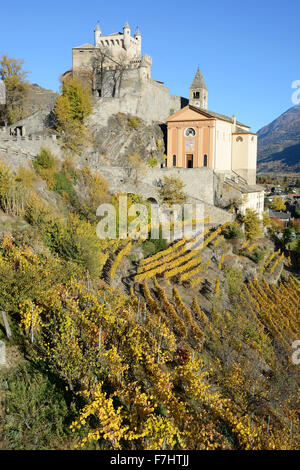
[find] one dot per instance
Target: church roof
(212, 114)
(198, 81)
(238, 130)
(222, 117)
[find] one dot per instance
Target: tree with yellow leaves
(278, 204)
(72, 108)
(14, 77)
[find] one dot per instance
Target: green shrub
(234, 278)
(257, 255)
(36, 412)
(63, 185)
(232, 230)
(44, 161)
(152, 162)
(133, 122)
(150, 247)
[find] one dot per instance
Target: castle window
(190, 132)
(174, 160)
(239, 139)
(205, 160)
(196, 95)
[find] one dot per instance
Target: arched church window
(239, 139)
(205, 160)
(190, 132)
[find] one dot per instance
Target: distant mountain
(279, 143)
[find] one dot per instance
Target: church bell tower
(198, 91)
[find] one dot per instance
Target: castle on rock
(120, 76)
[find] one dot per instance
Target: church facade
(199, 138)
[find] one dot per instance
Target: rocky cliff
(123, 136)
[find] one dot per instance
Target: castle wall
(115, 44)
(145, 99)
(20, 151)
(82, 58)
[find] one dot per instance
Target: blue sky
(248, 52)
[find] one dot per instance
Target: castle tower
(126, 30)
(145, 67)
(138, 38)
(198, 91)
(98, 34)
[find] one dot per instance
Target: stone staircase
(235, 179)
(238, 183)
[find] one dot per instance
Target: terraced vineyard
(181, 258)
(160, 276)
(196, 357)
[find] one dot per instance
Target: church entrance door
(189, 161)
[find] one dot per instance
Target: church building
(199, 138)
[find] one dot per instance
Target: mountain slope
(39, 98)
(279, 143)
